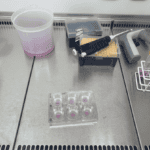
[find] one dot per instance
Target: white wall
(83, 6)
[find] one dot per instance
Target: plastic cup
(87, 112)
(35, 28)
(58, 114)
(71, 98)
(86, 97)
(72, 113)
(57, 100)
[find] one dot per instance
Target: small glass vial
(58, 114)
(71, 98)
(87, 112)
(73, 113)
(86, 97)
(57, 100)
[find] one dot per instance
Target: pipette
(97, 45)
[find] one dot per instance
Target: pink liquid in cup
(72, 115)
(57, 103)
(71, 101)
(58, 115)
(86, 113)
(85, 100)
(39, 44)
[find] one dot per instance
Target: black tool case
(97, 60)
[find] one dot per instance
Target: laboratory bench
(123, 111)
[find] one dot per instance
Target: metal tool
(79, 34)
(129, 47)
(97, 45)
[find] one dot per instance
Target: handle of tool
(97, 45)
(119, 34)
(129, 47)
(77, 47)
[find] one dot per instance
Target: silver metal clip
(79, 34)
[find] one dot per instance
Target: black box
(97, 60)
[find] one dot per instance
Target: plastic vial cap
(83, 54)
(74, 52)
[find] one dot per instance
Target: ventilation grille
(4, 147)
(131, 25)
(116, 25)
(62, 23)
(5, 23)
(55, 23)
(59, 23)
(105, 24)
(147, 147)
(46, 147)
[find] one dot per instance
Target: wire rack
(142, 78)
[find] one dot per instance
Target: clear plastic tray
(72, 109)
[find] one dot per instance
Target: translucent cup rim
(31, 9)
